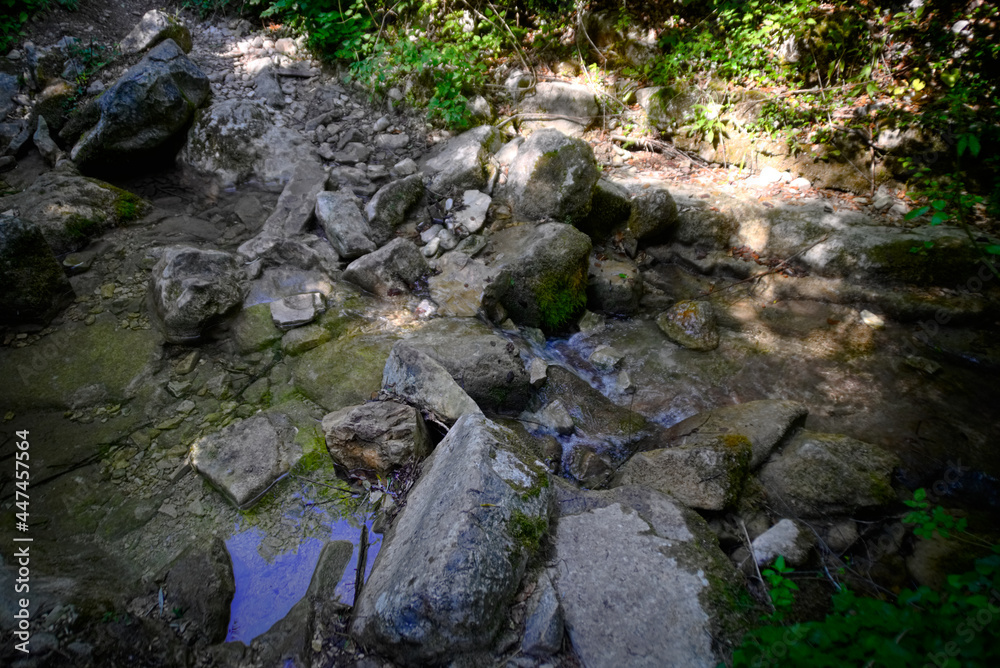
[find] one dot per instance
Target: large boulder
(691, 324)
(200, 582)
(488, 367)
(827, 474)
(415, 378)
(33, 287)
(391, 270)
(145, 111)
(236, 141)
(154, 27)
(629, 558)
(543, 282)
(387, 209)
(463, 162)
(763, 423)
(707, 476)
(614, 285)
(244, 459)
(339, 214)
(477, 513)
(552, 177)
(376, 436)
(574, 103)
(70, 209)
(653, 215)
(192, 288)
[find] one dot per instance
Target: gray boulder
(488, 367)
(244, 459)
(145, 110)
(653, 215)
(33, 287)
(543, 280)
(297, 201)
(463, 163)
(236, 141)
(339, 214)
(691, 324)
(266, 84)
(764, 423)
(415, 378)
(614, 286)
(827, 474)
(8, 90)
(705, 476)
(627, 557)
(388, 208)
(192, 288)
(155, 27)
(200, 582)
(70, 209)
(377, 436)
(460, 285)
(552, 177)
(574, 101)
(391, 270)
(543, 624)
(471, 522)
(610, 208)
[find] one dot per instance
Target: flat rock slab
(765, 423)
(451, 564)
(247, 457)
(638, 577)
(414, 377)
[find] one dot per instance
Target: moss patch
(560, 297)
(527, 530)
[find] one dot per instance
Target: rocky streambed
(543, 409)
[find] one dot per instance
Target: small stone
(168, 510)
(473, 214)
(406, 167)
(800, 183)
(108, 290)
(296, 310)
(187, 363)
(538, 372)
(90, 320)
(178, 388)
(872, 320)
(606, 358)
(769, 175)
(591, 323)
(625, 382)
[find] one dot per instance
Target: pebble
(872, 320)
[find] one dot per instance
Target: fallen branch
(776, 269)
(651, 144)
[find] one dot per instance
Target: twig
(756, 567)
(773, 270)
(650, 144)
(359, 575)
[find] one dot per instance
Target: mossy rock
(33, 286)
(343, 372)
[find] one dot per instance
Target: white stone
(473, 214)
(872, 320)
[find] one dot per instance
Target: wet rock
(200, 583)
(377, 436)
(472, 215)
(705, 476)
(389, 271)
(553, 416)
(590, 468)
(193, 288)
(472, 520)
(301, 339)
(653, 216)
(462, 163)
(691, 324)
(154, 27)
(296, 310)
(544, 270)
(630, 555)
(144, 110)
(415, 378)
(236, 141)
(614, 286)
(244, 459)
(488, 367)
(254, 329)
(787, 538)
(826, 474)
(552, 178)
(537, 372)
(388, 208)
(345, 371)
(764, 423)
(561, 99)
(33, 286)
(543, 624)
(70, 209)
(8, 90)
(339, 213)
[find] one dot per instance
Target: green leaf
(963, 142)
(993, 249)
(916, 213)
(973, 145)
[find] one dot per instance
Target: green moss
(948, 262)
(527, 530)
(80, 227)
(560, 297)
(127, 206)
